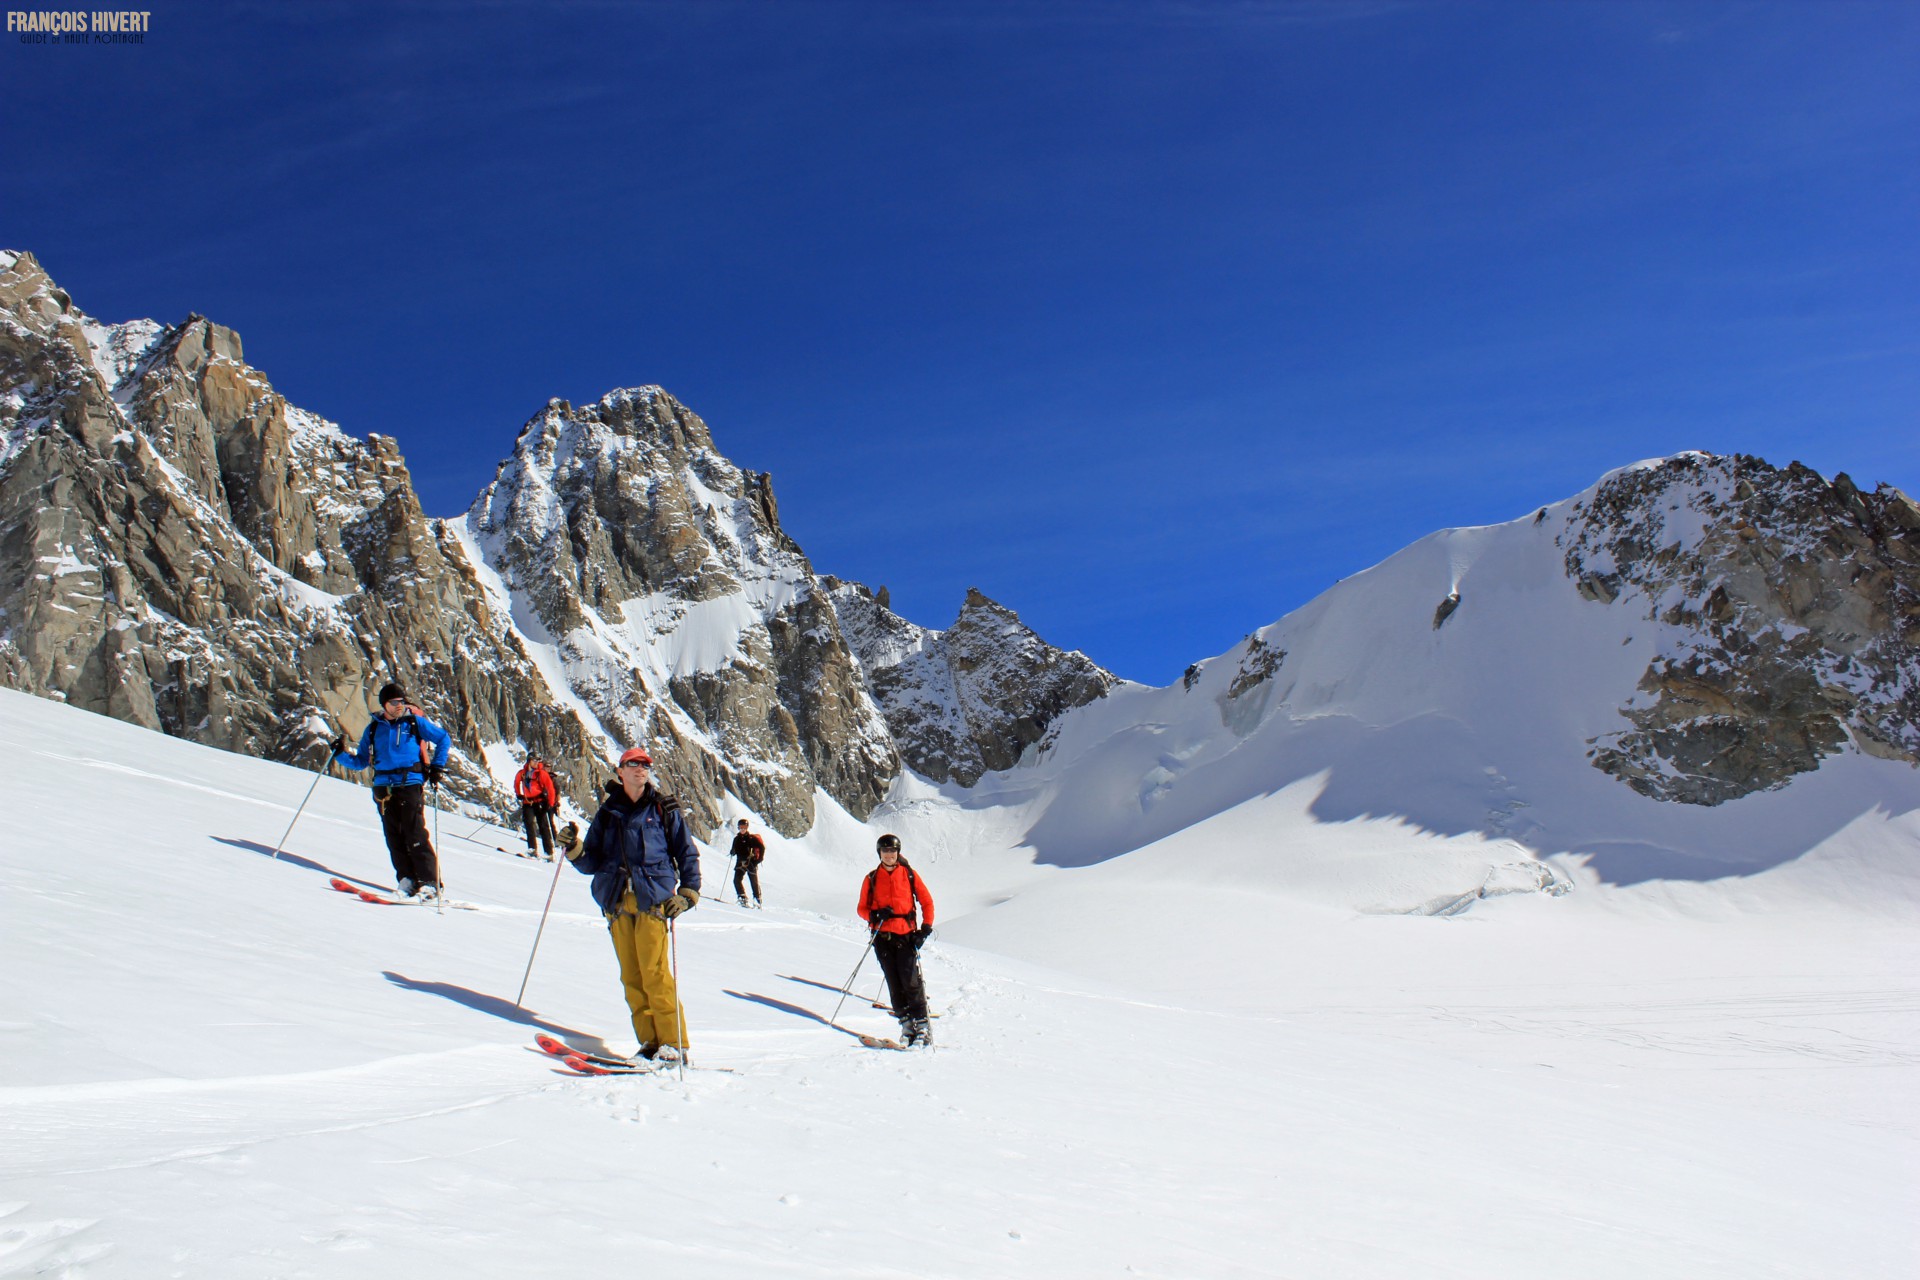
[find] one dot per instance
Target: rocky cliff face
(680, 611)
(181, 548)
(968, 700)
(1791, 607)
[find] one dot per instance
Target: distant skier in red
(899, 910)
(538, 797)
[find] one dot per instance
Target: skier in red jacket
(538, 797)
(899, 910)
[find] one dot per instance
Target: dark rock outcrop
(1790, 616)
(969, 700)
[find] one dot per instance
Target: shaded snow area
(1182, 1063)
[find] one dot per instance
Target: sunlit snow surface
(1191, 1061)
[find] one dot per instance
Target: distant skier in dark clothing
(645, 872)
(748, 851)
(533, 785)
(404, 749)
(899, 910)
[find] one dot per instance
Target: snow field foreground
(212, 1065)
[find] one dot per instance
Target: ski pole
(439, 875)
(679, 1007)
(482, 843)
(848, 986)
(318, 774)
(557, 864)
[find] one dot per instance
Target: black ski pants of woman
(900, 961)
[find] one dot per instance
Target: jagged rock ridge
(182, 548)
(1793, 610)
(969, 700)
(683, 614)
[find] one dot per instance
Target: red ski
(561, 1049)
(372, 895)
(365, 895)
(586, 1068)
(599, 1064)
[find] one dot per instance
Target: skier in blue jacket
(645, 872)
(395, 746)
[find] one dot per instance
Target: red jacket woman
(888, 898)
(891, 892)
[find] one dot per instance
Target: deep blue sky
(1151, 320)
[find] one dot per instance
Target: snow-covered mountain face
(182, 548)
(1700, 666)
(678, 611)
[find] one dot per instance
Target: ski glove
(879, 916)
(339, 745)
(435, 773)
(679, 902)
(570, 841)
(919, 936)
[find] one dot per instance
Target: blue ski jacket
(392, 749)
(642, 844)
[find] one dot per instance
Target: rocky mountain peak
(683, 614)
(969, 700)
(181, 548)
(1789, 611)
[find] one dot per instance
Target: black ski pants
(537, 817)
(745, 870)
(900, 961)
(403, 819)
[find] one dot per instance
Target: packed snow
(1198, 1060)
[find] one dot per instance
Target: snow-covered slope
(213, 1066)
(1468, 688)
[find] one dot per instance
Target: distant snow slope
(1453, 690)
(211, 1065)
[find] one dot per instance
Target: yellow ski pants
(640, 940)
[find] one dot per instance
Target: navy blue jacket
(639, 843)
(392, 748)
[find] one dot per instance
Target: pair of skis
(394, 899)
(599, 1064)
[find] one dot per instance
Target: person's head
(888, 847)
(393, 700)
(635, 770)
(743, 826)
